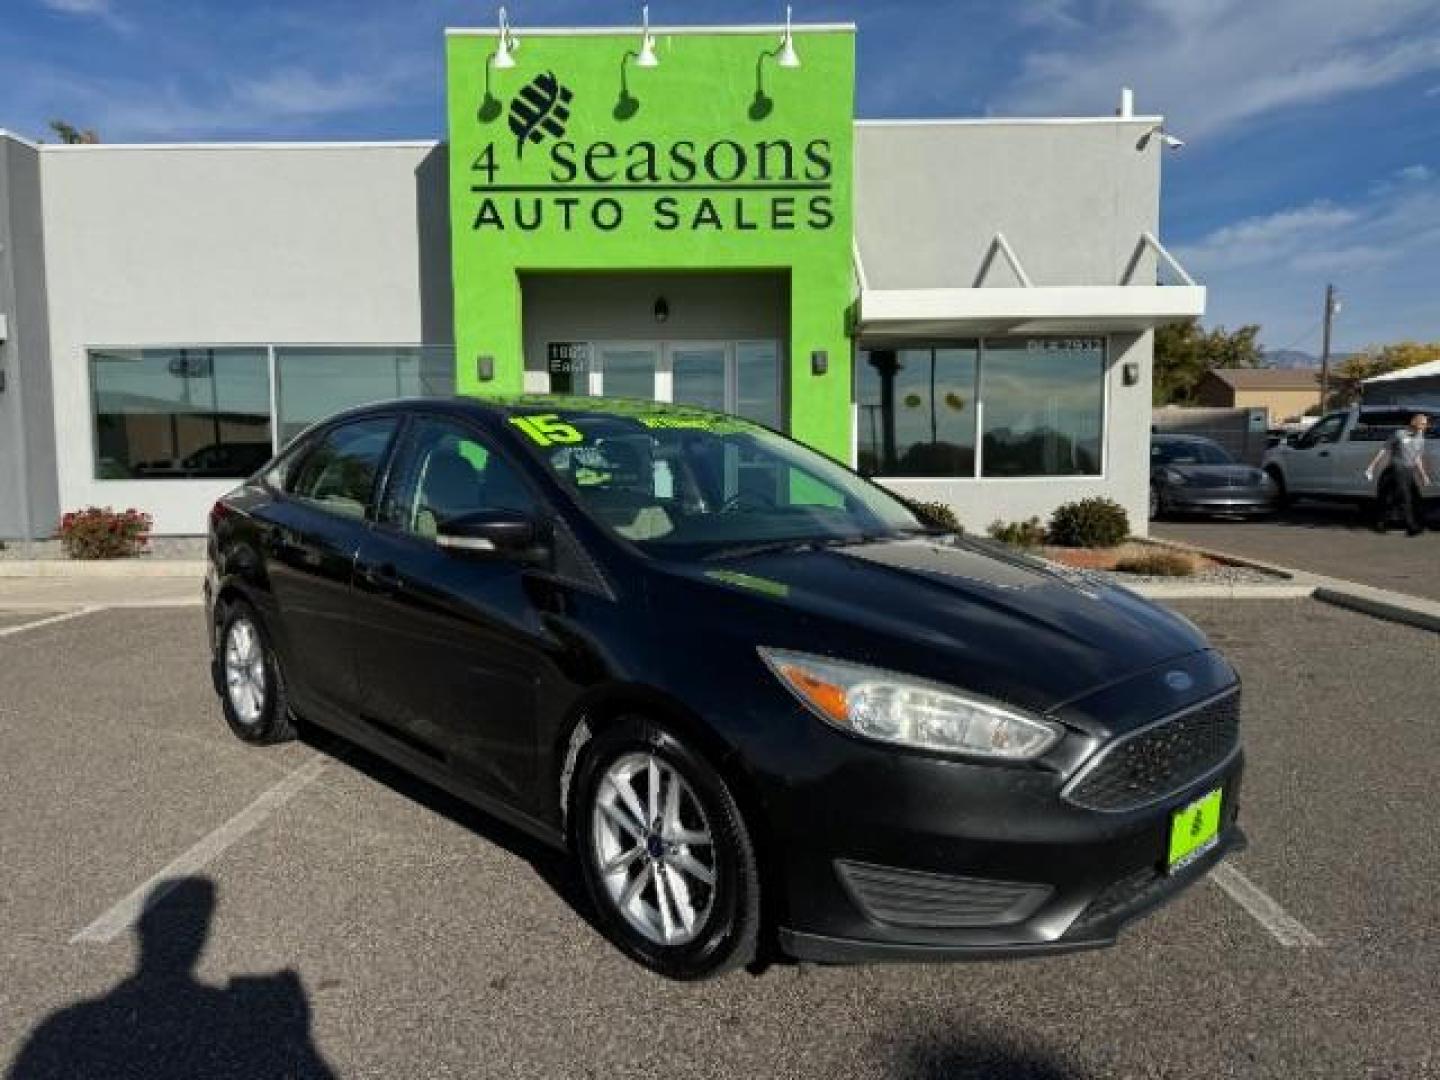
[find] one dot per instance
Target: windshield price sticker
(548, 429)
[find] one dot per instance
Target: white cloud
(1213, 64)
(79, 7)
(1378, 251)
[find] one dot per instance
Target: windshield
(692, 485)
(1188, 452)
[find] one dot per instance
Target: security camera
(1167, 140)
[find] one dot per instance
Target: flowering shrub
(103, 533)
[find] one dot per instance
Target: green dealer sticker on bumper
(1194, 829)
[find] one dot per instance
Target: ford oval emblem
(1178, 681)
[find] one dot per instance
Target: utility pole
(1331, 307)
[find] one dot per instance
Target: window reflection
(1044, 406)
(917, 411)
(314, 382)
(180, 413)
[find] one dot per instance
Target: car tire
(252, 690)
(1282, 493)
(651, 821)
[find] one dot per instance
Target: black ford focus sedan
(759, 700)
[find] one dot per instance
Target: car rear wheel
(665, 853)
(251, 688)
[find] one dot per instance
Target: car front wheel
(666, 855)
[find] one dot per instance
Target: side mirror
(507, 534)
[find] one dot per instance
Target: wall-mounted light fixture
(646, 57)
(662, 309)
(819, 362)
(627, 106)
(788, 57)
(1130, 373)
(485, 368)
(785, 56)
(505, 49)
(503, 58)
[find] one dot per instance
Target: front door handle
(383, 578)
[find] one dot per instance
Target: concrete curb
(102, 568)
(1393, 607)
(1290, 590)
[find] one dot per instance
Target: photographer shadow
(160, 1022)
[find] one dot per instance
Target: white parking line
(89, 609)
(127, 912)
(1283, 927)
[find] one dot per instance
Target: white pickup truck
(1329, 460)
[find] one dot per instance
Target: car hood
(1216, 475)
(964, 612)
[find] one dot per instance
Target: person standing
(1406, 450)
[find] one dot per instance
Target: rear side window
(340, 472)
(1377, 427)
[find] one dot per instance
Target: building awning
(1028, 308)
(1044, 310)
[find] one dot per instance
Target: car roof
(1177, 436)
(524, 404)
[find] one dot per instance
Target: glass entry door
(738, 377)
(700, 375)
(627, 369)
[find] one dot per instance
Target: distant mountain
(1290, 359)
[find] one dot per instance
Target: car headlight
(1174, 476)
(895, 708)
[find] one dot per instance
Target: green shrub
(1157, 564)
(935, 514)
(103, 533)
(1020, 534)
(1089, 523)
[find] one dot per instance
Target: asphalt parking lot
(354, 923)
(1328, 539)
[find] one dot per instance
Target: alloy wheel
(654, 849)
(245, 671)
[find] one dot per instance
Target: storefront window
(313, 381)
(167, 414)
(917, 411)
(1044, 406)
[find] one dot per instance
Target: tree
(1185, 351)
(1348, 374)
(70, 134)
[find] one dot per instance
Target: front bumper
(1076, 876)
(1219, 500)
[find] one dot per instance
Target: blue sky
(1313, 126)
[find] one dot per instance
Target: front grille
(1161, 759)
(913, 898)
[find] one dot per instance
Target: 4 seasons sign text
(776, 184)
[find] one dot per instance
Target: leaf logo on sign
(541, 108)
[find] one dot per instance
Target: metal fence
(1243, 432)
